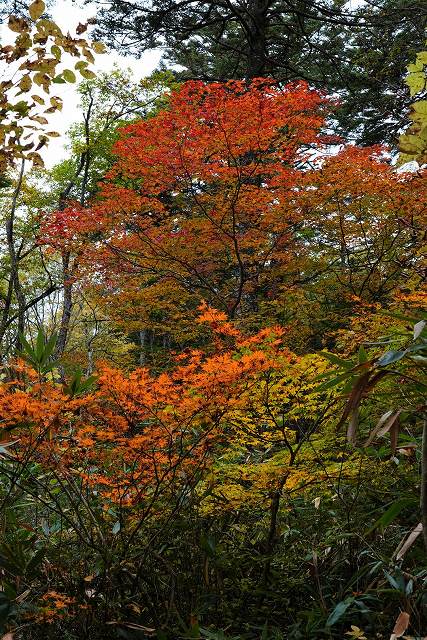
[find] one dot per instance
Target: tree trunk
(142, 337)
(67, 305)
(256, 36)
(423, 498)
(14, 259)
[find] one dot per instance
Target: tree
(32, 62)
(360, 53)
(209, 174)
(413, 144)
(107, 102)
(204, 203)
(128, 455)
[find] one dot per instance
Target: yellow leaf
(416, 82)
(56, 102)
(25, 84)
(36, 9)
(18, 25)
(420, 106)
(87, 73)
(99, 47)
(39, 119)
(37, 99)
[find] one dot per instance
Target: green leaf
(87, 74)
(68, 75)
(390, 357)
(50, 346)
(391, 514)
(26, 346)
(40, 344)
(336, 360)
(392, 581)
(56, 51)
(362, 355)
(332, 383)
(208, 544)
(339, 611)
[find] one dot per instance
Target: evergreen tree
(359, 53)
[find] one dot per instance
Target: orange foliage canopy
(228, 196)
(139, 436)
(201, 199)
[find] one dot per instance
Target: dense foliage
(213, 332)
(358, 50)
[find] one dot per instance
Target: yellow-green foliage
(269, 444)
(413, 144)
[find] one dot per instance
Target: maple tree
(344, 230)
(201, 179)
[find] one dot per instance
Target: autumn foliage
(231, 196)
(241, 255)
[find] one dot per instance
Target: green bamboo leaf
(336, 360)
(391, 514)
(390, 357)
(339, 611)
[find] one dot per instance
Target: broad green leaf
(332, 383)
(338, 612)
(40, 345)
(390, 357)
(391, 514)
(345, 364)
(362, 355)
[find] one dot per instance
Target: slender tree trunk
(7, 301)
(67, 305)
(142, 338)
(423, 499)
(14, 260)
(68, 266)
